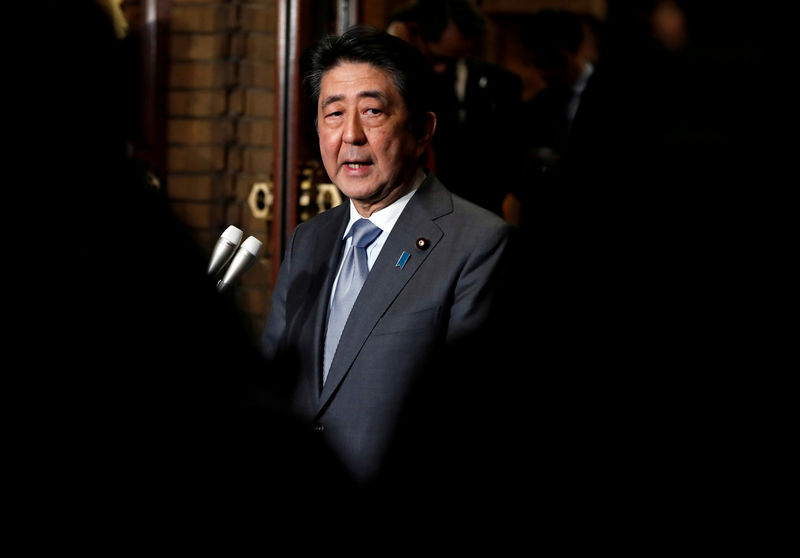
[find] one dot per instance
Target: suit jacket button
(318, 427)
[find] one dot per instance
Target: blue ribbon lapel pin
(403, 259)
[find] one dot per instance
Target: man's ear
(429, 127)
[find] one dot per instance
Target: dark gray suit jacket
(443, 293)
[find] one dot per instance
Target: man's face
(365, 136)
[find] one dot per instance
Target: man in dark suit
(435, 267)
(556, 48)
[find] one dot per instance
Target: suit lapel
(386, 279)
(328, 253)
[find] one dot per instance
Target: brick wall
(220, 107)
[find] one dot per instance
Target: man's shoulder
(444, 202)
(475, 215)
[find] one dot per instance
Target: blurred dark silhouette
(668, 146)
(143, 411)
(658, 277)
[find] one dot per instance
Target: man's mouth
(357, 164)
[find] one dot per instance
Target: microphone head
(224, 249)
(252, 245)
(234, 234)
(245, 257)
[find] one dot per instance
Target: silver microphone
(224, 249)
(245, 257)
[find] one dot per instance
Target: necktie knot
(364, 232)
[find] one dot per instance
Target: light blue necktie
(351, 278)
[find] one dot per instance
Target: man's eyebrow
(374, 95)
(330, 99)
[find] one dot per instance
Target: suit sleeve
(477, 298)
(275, 328)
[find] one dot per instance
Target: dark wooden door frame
(292, 37)
(285, 159)
(147, 50)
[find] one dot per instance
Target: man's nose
(354, 131)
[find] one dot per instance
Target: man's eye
(334, 113)
(373, 111)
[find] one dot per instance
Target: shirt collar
(386, 217)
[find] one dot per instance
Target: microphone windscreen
(252, 245)
(224, 249)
